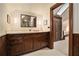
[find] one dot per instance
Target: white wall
(75, 18)
(12, 10)
(41, 10)
(65, 21)
(2, 20)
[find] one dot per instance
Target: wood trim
(52, 28)
(58, 17)
(71, 29)
(51, 44)
(56, 5)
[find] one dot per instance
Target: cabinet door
(19, 44)
(28, 43)
(40, 41)
(16, 45)
(37, 44)
(16, 49)
(2, 46)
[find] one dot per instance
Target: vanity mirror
(28, 20)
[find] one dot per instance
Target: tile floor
(60, 49)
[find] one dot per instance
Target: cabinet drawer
(14, 36)
(15, 39)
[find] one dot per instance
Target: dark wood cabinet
(40, 41)
(23, 43)
(15, 44)
(2, 46)
(18, 44)
(28, 43)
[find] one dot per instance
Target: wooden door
(58, 28)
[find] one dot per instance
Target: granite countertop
(20, 32)
(2, 34)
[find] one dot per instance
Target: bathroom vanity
(25, 33)
(27, 42)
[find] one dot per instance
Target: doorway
(62, 33)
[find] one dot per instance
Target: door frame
(52, 29)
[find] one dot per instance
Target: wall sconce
(8, 19)
(45, 22)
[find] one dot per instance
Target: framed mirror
(28, 20)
